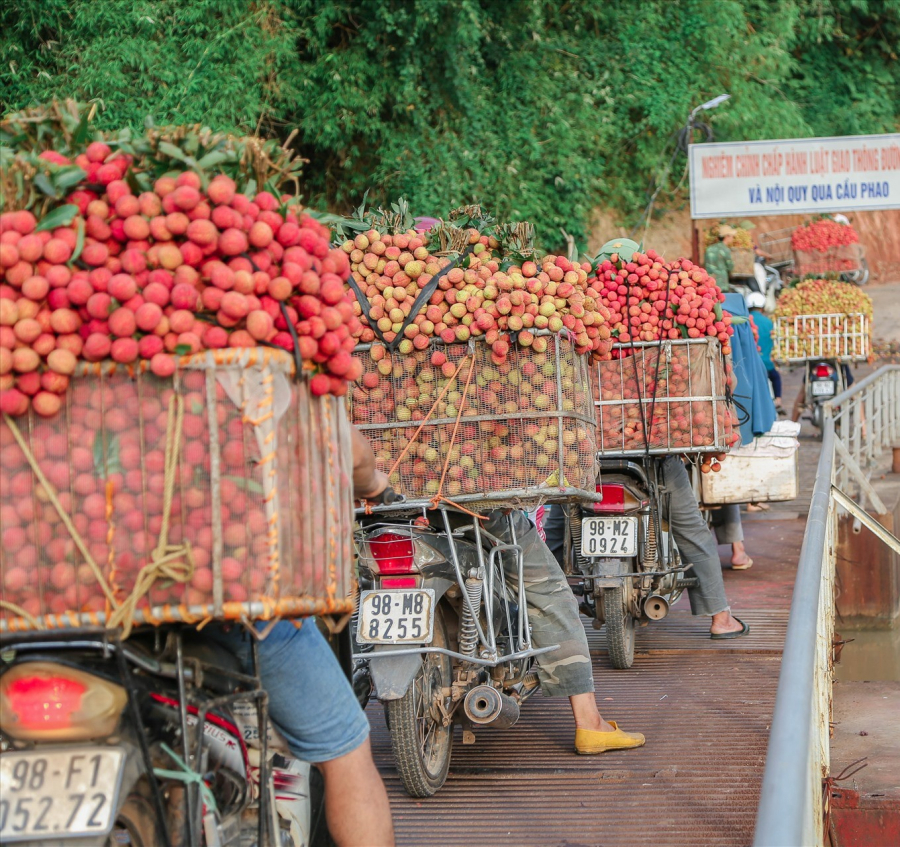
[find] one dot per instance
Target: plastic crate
(525, 429)
(804, 337)
(259, 472)
(664, 397)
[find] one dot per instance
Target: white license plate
(823, 388)
(609, 536)
(58, 793)
(396, 616)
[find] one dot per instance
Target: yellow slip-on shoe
(590, 741)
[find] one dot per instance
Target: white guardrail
(859, 425)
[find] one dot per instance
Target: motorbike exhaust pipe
(656, 607)
(485, 705)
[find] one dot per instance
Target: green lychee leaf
(79, 240)
(183, 349)
(62, 216)
(68, 177)
(210, 160)
(172, 151)
(45, 184)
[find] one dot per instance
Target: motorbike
(766, 281)
(824, 380)
(621, 555)
(442, 632)
(151, 741)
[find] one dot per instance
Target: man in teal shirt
(718, 261)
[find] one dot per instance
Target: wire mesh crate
(839, 258)
(664, 397)
(803, 337)
(450, 421)
(778, 245)
(223, 492)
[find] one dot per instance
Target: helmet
(755, 300)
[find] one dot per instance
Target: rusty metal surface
(704, 706)
(696, 781)
(682, 631)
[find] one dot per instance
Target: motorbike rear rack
(109, 644)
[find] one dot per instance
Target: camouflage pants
(552, 610)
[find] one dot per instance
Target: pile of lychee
(149, 277)
(505, 302)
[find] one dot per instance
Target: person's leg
(555, 530)
(729, 530)
(799, 403)
(775, 379)
(698, 547)
(356, 803)
(553, 615)
(314, 708)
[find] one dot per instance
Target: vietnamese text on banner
(799, 175)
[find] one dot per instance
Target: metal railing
(858, 426)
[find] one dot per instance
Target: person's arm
(368, 481)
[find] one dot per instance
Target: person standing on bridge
(717, 260)
(695, 542)
(554, 617)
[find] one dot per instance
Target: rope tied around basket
(167, 561)
(63, 515)
(439, 497)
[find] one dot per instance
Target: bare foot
(739, 554)
(725, 622)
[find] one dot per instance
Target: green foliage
(541, 110)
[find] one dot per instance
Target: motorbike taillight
(823, 371)
(43, 701)
(616, 499)
(392, 553)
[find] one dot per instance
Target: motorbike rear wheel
(136, 823)
(619, 628)
(422, 744)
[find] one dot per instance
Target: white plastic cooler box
(766, 470)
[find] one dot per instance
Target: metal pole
(785, 813)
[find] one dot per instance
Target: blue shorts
(310, 700)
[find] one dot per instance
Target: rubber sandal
(744, 566)
(721, 636)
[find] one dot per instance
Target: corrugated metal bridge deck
(703, 705)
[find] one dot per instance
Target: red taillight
(393, 553)
(613, 498)
(616, 499)
(824, 371)
(399, 582)
(45, 702)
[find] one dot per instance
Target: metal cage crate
(518, 432)
(803, 337)
(664, 397)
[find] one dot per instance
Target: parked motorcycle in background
(624, 555)
(151, 741)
